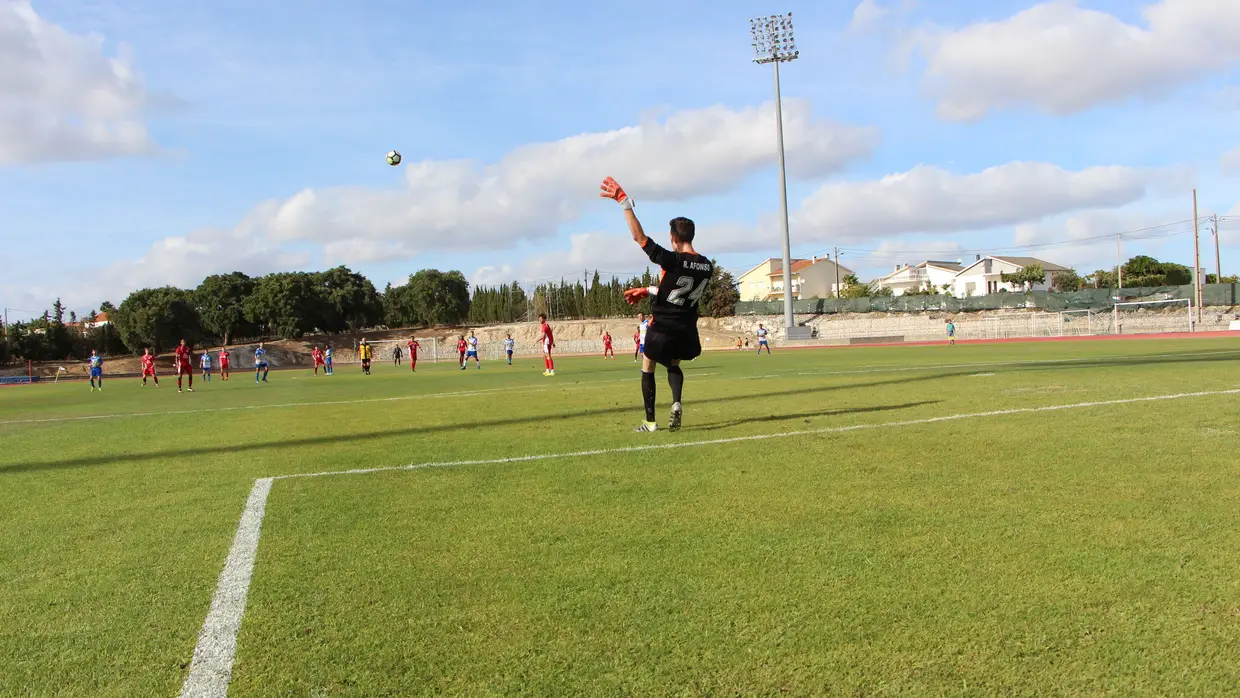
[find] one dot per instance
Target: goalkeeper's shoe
(673, 422)
(646, 427)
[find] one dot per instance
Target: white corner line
(211, 669)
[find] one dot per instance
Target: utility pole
(837, 273)
(1218, 262)
(1196, 258)
(1119, 262)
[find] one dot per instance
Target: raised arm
(611, 189)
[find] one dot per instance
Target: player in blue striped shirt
(96, 370)
(260, 363)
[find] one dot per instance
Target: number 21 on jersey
(685, 289)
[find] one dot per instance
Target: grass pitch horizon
(1088, 552)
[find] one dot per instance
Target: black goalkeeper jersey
(675, 306)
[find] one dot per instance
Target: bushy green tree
(220, 300)
(720, 297)
(287, 304)
(158, 318)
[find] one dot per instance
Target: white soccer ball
(393, 158)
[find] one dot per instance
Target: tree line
(233, 307)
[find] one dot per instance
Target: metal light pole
(773, 43)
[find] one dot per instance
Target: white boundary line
(580, 386)
(211, 669)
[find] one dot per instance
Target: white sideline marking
(578, 386)
(211, 669)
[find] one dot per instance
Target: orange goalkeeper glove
(611, 189)
(635, 295)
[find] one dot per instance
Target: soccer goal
(383, 351)
(1076, 323)
(1153, 317)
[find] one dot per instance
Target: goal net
(383, 351)
(1152, 317)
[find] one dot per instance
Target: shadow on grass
(634, 408)
(806, 416)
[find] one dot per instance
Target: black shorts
(667, 344)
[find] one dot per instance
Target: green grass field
(1093, 550)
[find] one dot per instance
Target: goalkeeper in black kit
(673, 335)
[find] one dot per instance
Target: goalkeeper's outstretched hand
(635, 295)
(611, 189)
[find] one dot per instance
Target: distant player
(738, 344)
(763, 341)
(327, 360)
(461, 347)
(637, 345)
(510, 345)
(148, 367)
(185, 369)
(260, 363)
(413, 345)
(225, 355)
(672, 336)
(547, 340)
(951, 332)
(96, 370)
(365, 353)
(643, 325)
(396, 355)
(607, 350)
(205, 364)
(471, 350)
(316, 355)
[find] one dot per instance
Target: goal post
(1153, 317)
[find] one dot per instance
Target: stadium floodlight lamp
(774, 42)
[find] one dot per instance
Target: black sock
(648, 394)
(676, 379)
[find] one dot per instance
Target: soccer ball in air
(393, 158)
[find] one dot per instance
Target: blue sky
(109, 184)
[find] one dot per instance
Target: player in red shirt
(548, 343)
(148, 367)
(461, 346)
(607, 350)
(224, 355)
(317, 355)
(184, 367)
(413, 347)
(637, 345)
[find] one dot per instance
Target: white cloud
(1063, 58)
(61, 97)
(1229, 163)
(608, 252)
(181, 261)
(867, 14)
(930, 199)
(922, 200)
(535, 188)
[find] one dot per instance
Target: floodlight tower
(774, 43)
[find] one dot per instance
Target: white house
(929, 275)
(984, 276)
